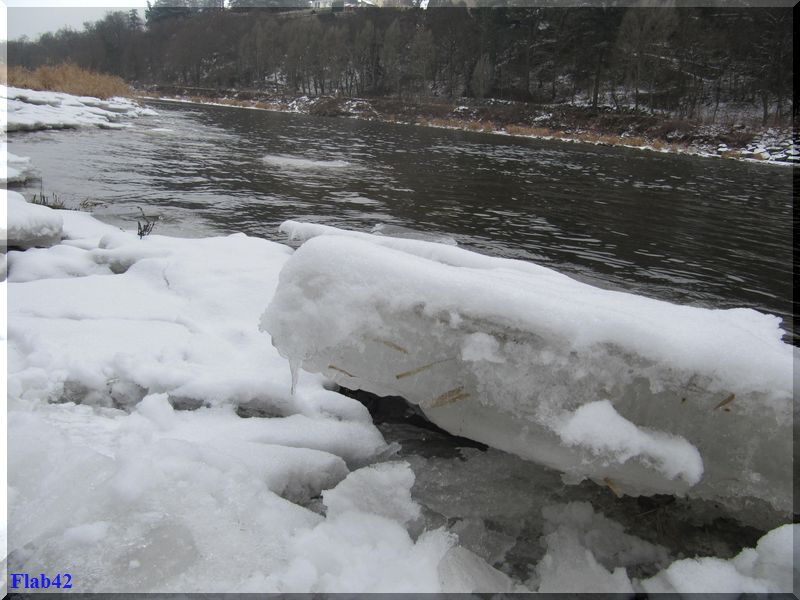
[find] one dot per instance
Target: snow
(769, 568)
(29, 110)
(580, 542)
(362, 545)
(137, 369)
(641, 395)
(29, 225)
(383, 489)
(134, 366)
(462, 571)
(16, 169)
(598, 427)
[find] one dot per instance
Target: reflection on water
(702, 231)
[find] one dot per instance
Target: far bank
(605, 125)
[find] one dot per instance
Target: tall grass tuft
(68, 78)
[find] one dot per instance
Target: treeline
(686, 61)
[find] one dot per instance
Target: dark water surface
(706, 232)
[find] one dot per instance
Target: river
(701, 231)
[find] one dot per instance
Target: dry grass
(529, 131)
(737, 154)
(606, 139)
(268, 105)
(70, 79)
(440, 122)
(668, 146)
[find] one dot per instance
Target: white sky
(35, 17)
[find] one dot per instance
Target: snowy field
(174, 420)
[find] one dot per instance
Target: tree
(592, 58)
(771, 62)
(482, 77)
(366, 57)
(643, 32)
(422, 57)
(165, 9)
(392, 57)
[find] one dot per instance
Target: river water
(699, 231)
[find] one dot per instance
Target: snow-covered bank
(155, 444)
(30, 110)
(638, 394)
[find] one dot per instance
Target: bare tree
(482, 76)
(392, 57)
(642, 34)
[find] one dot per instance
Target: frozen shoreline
(135, 367)
(112, 338)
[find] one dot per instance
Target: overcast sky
(35, 17)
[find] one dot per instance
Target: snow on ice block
(30, 225)
(640, 395)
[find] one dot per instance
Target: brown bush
(737, 138)
(672, 130)
(70, 79)
(326, 107)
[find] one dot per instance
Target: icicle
(294, 367)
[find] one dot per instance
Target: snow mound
(768, 568)
(383, 489)
(30, 110)
(360, 546)
(29, 225)
(641, 395)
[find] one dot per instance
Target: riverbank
(567, 123)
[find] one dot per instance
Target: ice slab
(640, 395)
(29, 225)
(13, 168)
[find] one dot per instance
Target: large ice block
(640, 395)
